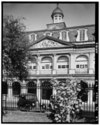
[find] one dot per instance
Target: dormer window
(32, 37)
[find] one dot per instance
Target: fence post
(4, 106)
(38, 91)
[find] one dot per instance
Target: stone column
(38, 64)
(91, 63)
(38, 90)
(72, 64)
(54, 64)
(23, 87)
(10, 91)
(90, 94)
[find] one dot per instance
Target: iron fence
(43, 103)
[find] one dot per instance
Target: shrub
(65, 104)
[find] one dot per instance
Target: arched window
(4, 88)
(16, 88)
(82, 64)
(46, 90)
(63, 64)
(31, 87)
(46, 63)
(32, 64)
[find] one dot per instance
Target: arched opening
(46, 65)
(63, 64)
(82, 64)
(16, 88)
(4, 88)
(83, 94)
(31, 87)
(46, 90)
(32, 64)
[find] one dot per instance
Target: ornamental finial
(57, 5)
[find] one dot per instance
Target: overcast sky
(38, 15)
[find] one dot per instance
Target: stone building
(59, 52)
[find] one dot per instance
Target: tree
(65, 104)
(14, 48)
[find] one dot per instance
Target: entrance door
(46, 90)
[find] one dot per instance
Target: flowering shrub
(65, 105)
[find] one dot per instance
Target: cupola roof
(57, 10)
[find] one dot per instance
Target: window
(81, 66)
(34, 67)
(77, 66)
(30, 67)
(64, 35)
(33, 37)
(47, 66)
(63, 66)
(46, 90)
(46, 63)
(67, 66)
(16, 88)
(50, 67)
(43, 67)
(31, 87)
(59, 66)
(82, 35)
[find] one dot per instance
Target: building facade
(58, 52)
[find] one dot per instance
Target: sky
(37, 15)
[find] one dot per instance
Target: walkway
(18, 116)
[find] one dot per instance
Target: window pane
(67, 66)
(77, 66)
(34, 67)
(50, 67)
(43, 67)
(86, 66)
(63, 66)
(47, 66)
(81, 66)
(59, 66)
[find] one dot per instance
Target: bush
(65, 104)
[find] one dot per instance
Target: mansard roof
(67, 28)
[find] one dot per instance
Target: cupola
(57, 15)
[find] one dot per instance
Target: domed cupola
(57, 15)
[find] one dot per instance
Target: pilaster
(72, 64)
(10, 92)
(38, 90)
(54, 64)
(23, 87)
(91, 63)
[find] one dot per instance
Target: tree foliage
(14, 48)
